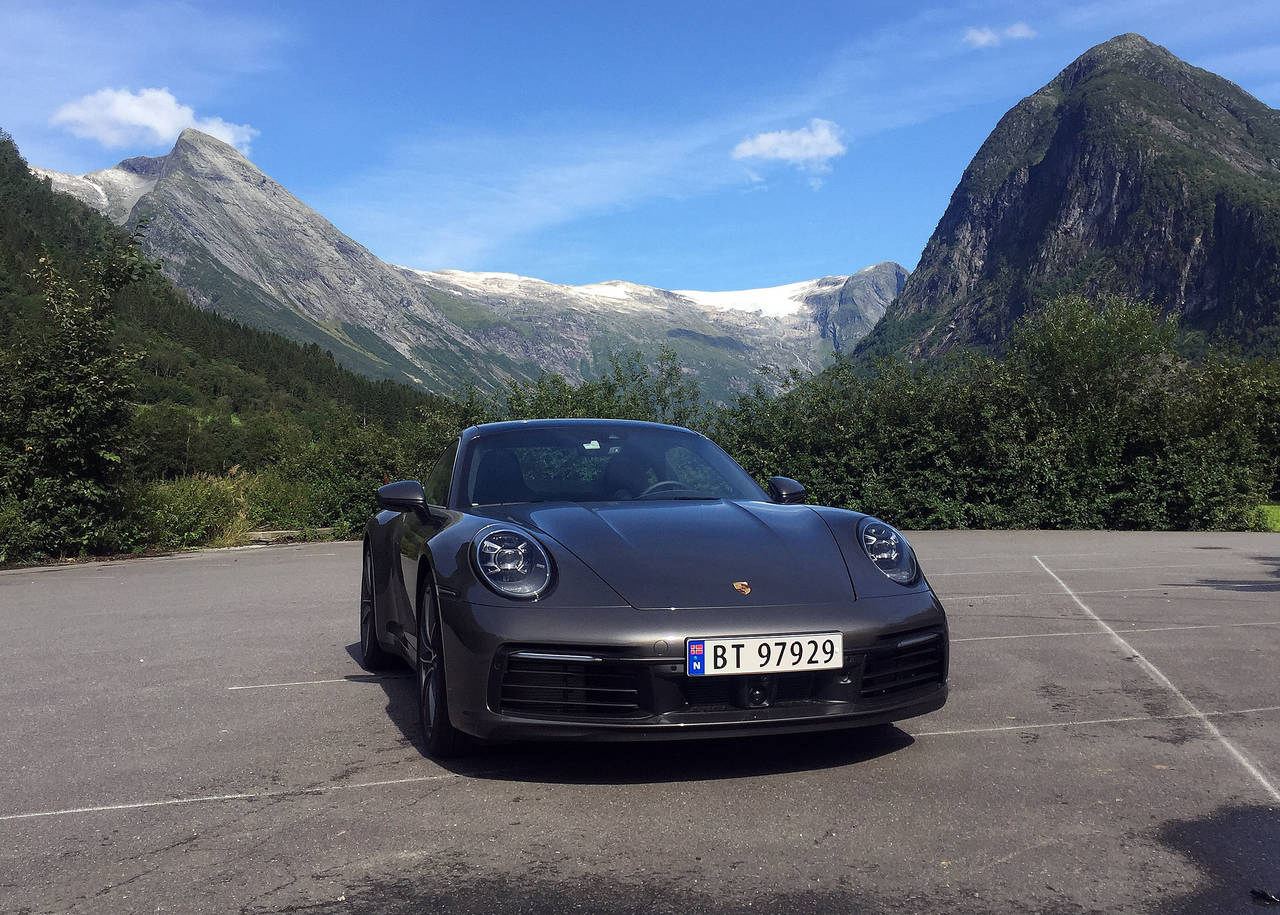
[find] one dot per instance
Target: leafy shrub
(1091, 421)
(15, 532)
(631, 389)
(272, 502)
(192, 511)
(65, 414)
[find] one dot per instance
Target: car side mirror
(785, 491)
(402, 496)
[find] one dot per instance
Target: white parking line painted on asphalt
(1156, 674)
(970, 558)
(358, 678)
(998, 729)
(246, 796)
(441, 776)
(1174, 589)
(1178, 565)
(1221, 563)
(1051, 635)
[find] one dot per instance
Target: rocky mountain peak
(208, 159)
(1129, 53)
(1131, 171)
(1125, 51)
(195, 145)
(146, 166)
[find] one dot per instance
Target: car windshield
(606, 462)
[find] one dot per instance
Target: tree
(632, 389)
(65, 416)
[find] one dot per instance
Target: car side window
(437, 485)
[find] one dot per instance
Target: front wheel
(372, 655)
(441, 739)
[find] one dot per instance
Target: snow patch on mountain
(112, 191)
(614, 295)
(612, 289)
(773, 301)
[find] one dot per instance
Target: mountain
(847, 314)
(1131, 172)
(240, 244)
(210, 392)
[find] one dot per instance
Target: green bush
(631, 389)
(192, 511)
(272, 502)
(15, 532)
(1091, 421)
(342, 471)
(65, 410)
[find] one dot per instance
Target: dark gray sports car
(611, 580)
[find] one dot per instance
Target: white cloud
(151, 117)
(810, 148)
(986, 37)
(981, 38)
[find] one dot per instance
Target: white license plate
(764, 654)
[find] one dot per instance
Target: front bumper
(524, 672)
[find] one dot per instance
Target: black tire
(372, 655)
(439, 737)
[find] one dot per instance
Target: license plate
(764, 654)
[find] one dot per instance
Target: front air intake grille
(591, 684)
(905, 662)
(579, 689)
(719, 694)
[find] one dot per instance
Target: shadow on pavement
(586, 763)
(1270, 581)
(1235, 851)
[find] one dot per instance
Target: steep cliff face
(241, 244)
(1131, 172)
(849, 310)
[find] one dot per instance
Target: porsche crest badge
(742, 587)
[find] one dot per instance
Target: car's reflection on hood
(668, 554)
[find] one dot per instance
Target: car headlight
(889, 550)
(512, 563)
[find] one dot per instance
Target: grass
(1271, 517)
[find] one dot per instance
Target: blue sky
(704, 145)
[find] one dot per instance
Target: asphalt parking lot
(191, 733)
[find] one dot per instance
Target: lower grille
(904, 662)
(556, 682)
(595, 689)
(719, 694)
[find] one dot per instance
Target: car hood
(688, 554)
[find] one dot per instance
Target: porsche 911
(616, 580)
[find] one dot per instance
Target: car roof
(567, 423)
